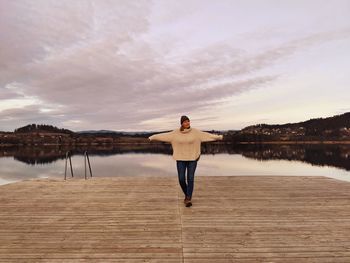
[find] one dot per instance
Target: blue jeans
(181, 171)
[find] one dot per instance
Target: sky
(140, 65)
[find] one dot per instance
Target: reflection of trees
(317, 154)
(337, 155)
(34, 155)
(49, 154)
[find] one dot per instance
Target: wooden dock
(143, 219)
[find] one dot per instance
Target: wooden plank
(267, 219)
(143, 219)
(108, 219)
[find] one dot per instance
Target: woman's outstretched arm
(163, 137)
(209, 137)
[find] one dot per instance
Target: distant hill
(337, 121)
(41, 128)
(332, 129)
(336, 128)
(114, 132)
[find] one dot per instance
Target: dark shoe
(187, 201)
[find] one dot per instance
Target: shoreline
(153, 143)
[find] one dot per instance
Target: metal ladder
(86, 158)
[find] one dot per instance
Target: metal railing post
(68, 156)
(86, 157)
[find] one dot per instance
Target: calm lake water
(333, 161)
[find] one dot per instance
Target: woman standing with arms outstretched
(186, 144)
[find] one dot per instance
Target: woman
(186, 144)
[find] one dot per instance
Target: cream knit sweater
(186, 144)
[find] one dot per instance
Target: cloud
(8, 94)
(91, 65)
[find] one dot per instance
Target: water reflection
(49, 154)
(315, 154)
(148, 164)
